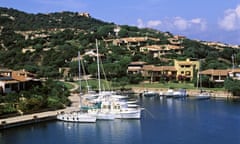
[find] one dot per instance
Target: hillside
(43, 43)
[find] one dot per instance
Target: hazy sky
(210, 20)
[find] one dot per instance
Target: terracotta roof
(148, 67)
(154, 47)
(134, 39)
(185, 63)
(162, 47)
(154, 39)
(164, 68)
(22, 75)
(138, 63)
(214, 72)
(158, 68)
(234, 70)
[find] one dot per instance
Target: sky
(207, 20)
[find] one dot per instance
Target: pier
(26, 119)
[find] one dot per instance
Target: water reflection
(102, 132)
(209, 121)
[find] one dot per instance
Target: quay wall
(5, 124)
(190, 92)
(31, 118)
(41, 116)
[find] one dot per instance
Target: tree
(232, 86)
(135, 78)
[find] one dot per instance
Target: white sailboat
(202, 94)
(77, 116)
(110, 105)
(102, 112)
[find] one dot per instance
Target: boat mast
(98, 68)
(79, 73)
(79, 78)
(200, 75)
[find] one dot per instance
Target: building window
(188, 73)
(7, 86)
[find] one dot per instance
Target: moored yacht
(76, 117)
(203, 95)
(149, 94)
(181, 93)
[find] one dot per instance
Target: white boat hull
(105, 116)
(102, 115)
(129, 114)
(77, 117)
(203, 95)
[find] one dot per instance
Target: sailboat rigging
(77, 116)
(202, 94)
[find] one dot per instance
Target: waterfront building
(216, 75)
(156, 73)
(185, 69)
(15, 81)
(182, 70)
(234, 73)
(136, 67)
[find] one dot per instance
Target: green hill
(42, 43)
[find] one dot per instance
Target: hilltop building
(159, 50)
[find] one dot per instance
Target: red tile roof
(158, 68)
(214, 72)
(22, 75)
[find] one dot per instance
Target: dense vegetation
(49, 96)
(78, 33)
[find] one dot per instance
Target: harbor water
(164, 121)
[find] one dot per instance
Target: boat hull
(129, 114)
(149, 94)
(203, 96)
(76, 117)
(103, 116)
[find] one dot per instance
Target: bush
(7, 109)
(54, 103)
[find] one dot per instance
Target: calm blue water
(165, 121)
